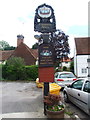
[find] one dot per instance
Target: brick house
(29, 55)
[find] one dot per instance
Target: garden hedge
(15, 69)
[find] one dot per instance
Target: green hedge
(24, 73)
(15, 69)
(32, 72)
(0, 71)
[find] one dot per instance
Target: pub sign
(46, 55)
(44, 20)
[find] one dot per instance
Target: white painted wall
(80, 65)
(66, 64)
(75, 62)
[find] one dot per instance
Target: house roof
(66, 60)
(29, 55)
(4, 55)
(82, 46)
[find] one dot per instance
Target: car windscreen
(66, 75)
(87, 87)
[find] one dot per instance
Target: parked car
(64, 78)
(79, 94)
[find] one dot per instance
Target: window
(67, 75)
(56, 75)
(78, 84)
(84, 70)
(88, 60)
(87, 87)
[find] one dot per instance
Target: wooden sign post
(44, 22)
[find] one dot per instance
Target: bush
(64, 68)
(0, 72)
(32, 72)
(14, 69)
(72, 66)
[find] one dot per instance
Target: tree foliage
(5, 46)
(60, 43)
(35, 46)
(10, 48)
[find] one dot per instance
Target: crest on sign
(44, 20)
(44, 12)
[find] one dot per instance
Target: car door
(75, 92)
(85, 96)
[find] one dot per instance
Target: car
(79, 94)
(64, 78)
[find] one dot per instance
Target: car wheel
(66, 98)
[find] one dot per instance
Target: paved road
(26, 97)
(20, 97)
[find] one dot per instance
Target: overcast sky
(17, 17)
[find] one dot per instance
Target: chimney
(20, 39)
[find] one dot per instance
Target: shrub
(72, 66)
(64, 68)
(14, 69)
(0, 72)
(32, 72)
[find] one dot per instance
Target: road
(26, 97)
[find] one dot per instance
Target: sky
(17, 17)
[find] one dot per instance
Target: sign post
(44, 22)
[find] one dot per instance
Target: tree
(3, 45)
(35, 46)
(10, 48)
(59, 41)
(60, 44)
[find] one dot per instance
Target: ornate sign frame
(44, 20)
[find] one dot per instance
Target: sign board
(46, 74)
(44, 11)
(46, 55)
(44, 20)
(45, 27)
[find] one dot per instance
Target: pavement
(34, 115)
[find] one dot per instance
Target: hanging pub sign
(46, 55)
(44, 20)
